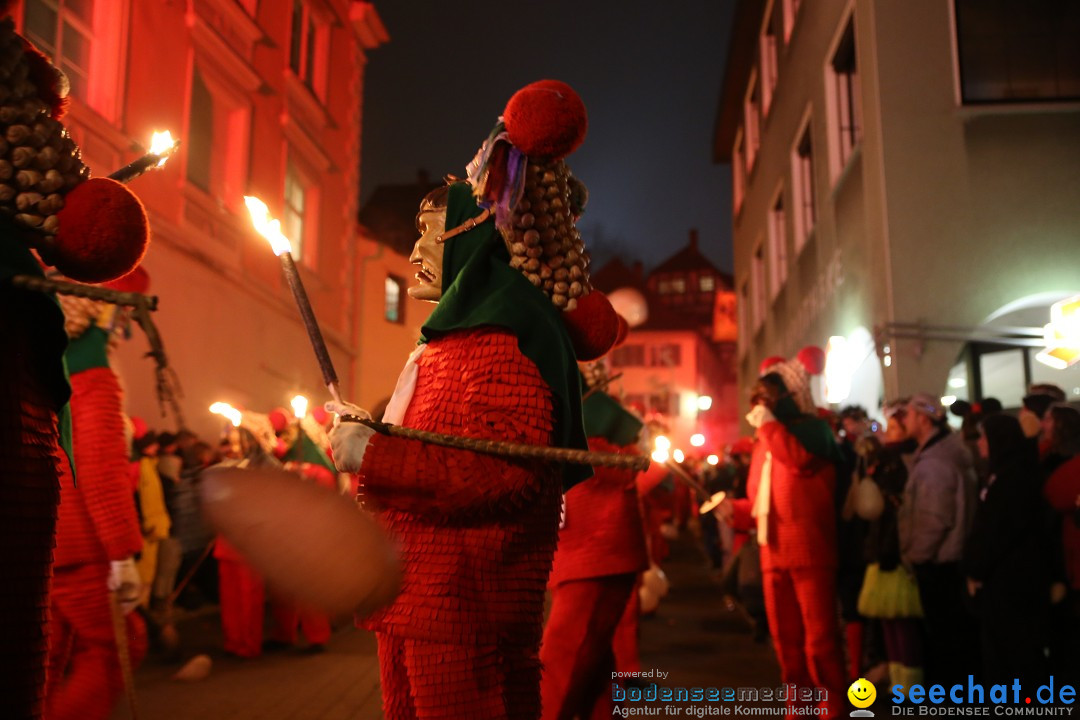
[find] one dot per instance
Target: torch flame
(228, 412)
(161, 144)
(267, 226)
(299, 406)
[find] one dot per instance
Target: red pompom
(136, 281)
(103, 232)
(546, 119)
(813, 359)
(593, 326)
(320, 415)
(624, 330)
(279, 419)
(139, 428)
(768, 363)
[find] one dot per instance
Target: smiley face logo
(862, 693)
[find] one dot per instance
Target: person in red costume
(790, 500)
(497, 361)
(97, 531)
(601, 551)
(95, 230)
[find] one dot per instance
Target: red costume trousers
(85, 681)
(437, 681)
(801, 604)
(627, 632)
(241, 608)
(288, 617)
(576, 652)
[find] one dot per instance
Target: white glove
(348, 440)
(124, 580)
(759, 416)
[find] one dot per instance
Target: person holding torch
(501, 257)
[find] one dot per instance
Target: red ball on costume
(103, 232)
(546, 119)
(813, 359)
(768, 363)
(279, 419)
(136, 281)
(138, 428)
(593, 326)
(624, 330)
(320, 415)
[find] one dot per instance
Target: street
(691, 637)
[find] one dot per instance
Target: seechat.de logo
(862, 694)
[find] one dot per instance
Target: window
(802, 180)
(738, 171)
(1018, 50)
(628, 356)
(664, 403)
(216, 141)
(757, 287)
(767, 46)
(777, 247)
(308, 48)
(707, 283)
(667, 355)
(295, 216)
(744, 315)
(200, 144)
(845, 112)
(64, 30)
(791, 11)
(394, 306)
(752, 118)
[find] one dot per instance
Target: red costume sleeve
(479, 386)
(648, 480)
(1063, 486)
(102, 463)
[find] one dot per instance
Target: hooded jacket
(939, 502)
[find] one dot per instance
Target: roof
(390, 213)
(617, 274)
(741, 55)
(689, 259)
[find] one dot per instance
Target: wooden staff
(123, 652)
(507, 449)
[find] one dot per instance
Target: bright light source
(957, 382)
(160, 144)
(704, 402)
(228, 412)
(267, 226)
(299, 406)
(838, 369)
(1062, 335)
(678, 456)
(662, 443)
(660, 456)
(948, 400)
(713, 459)
(697, 439)
(888, 361)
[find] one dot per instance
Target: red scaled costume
(798, 559)
(101, 234)
(97, 524)
(601, 551)
(477, 535)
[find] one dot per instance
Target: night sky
(650, 75)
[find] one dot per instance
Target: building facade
(904, 190)
(266, 97)
(678, 362)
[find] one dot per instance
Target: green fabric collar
(480, 288)
(606, 417)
